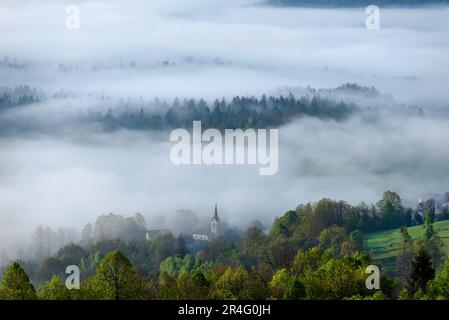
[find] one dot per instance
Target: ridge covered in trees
(240, 112)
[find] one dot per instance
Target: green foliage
(251, 247)
(286, 286)
(378, 295)
(71, 254)
(279, 283)
(356, 240)
(405, 295)
(318, 275)
(390, 207)
(428, 220)
(174, 266)
(307, 261)
(313, 252)
(438, 288)
(285, 226)
(404, 259)
(49, 267)
(187, 286)
(386, 246)
(238, 284)
(421, 272)
(434, 247)
(335, 280)
(295, 290)
(406, 238)
(334, 239)
(15, 284)
(162, 247)
(54, 289)
(116, 279)
(279, 253)
(324, 214)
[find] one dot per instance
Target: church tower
(215, 223)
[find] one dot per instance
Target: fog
(261, 48)
(212, 49)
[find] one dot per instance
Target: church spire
(216, 213)
(214, 225)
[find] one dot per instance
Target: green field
(384, 246)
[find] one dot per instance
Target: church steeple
(214, 225)
(215, 217)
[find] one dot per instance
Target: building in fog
(214, 229)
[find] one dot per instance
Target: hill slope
(384, 246)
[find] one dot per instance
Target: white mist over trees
(124, 56)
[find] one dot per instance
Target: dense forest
(313, 252)
(240, 112)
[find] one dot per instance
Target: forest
(239, 112)
(316, 251)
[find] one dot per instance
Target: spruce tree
(421, 272)
(15, 284)
(404, 259)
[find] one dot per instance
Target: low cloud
(213, 49)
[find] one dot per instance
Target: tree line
(238, 112)
(19, 96)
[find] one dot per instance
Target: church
(214, 229)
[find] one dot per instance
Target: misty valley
(237, 150)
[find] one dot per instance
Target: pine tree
(429, 232)
(431, 241)
(421, 272)
(404, 259)
(16, 285)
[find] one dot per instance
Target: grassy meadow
(384, 246)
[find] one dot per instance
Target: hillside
(384, 246)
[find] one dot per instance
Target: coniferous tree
(404, 259)
(431, 241)
(421, 272)
(429, 232)
(15, 284)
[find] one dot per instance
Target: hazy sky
(68, 180)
